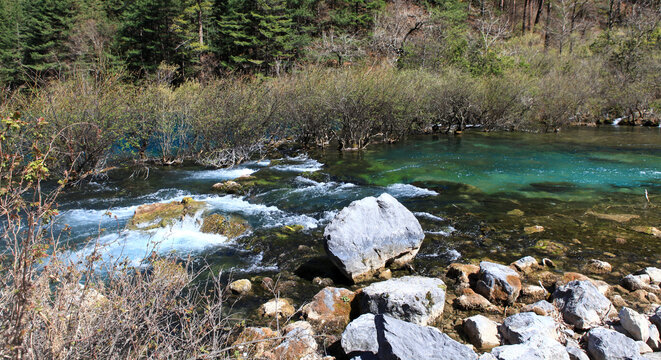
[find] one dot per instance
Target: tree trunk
(199, 21)
(546, 27)
(539, 11)
(571, 27)
(523, 20)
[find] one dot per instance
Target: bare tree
(491, 28)
(395, 26)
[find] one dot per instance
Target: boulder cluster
(526, 310)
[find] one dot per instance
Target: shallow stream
(474, 195)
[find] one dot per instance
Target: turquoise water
(462, 188)
(604, 160)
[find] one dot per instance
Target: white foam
(407, 190)
(255, 265)
(183, 237)
(302, 163)
(221, 174)
(446, 232)
(429, 216)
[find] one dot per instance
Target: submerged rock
(240, 287)
(153, 216)
(649, 230)
(383, 337)
(605, 344)
(621, 218)
(415, 299)
(498, 282)
(595, 266)
(371, 233)
(581, 304)
(330, 310)
(218, 224)
(533, 229)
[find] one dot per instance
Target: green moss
(315, 176)
(218, 224)
(152, 216)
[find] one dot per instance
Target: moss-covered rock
(649, 230)
(152, 216)
(218, 224)
(228, 187)
(315, 176)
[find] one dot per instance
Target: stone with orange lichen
(470, 300)
(255, 342)
(330, 309)
(298, 343)
(462, 272)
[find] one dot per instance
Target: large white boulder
(371, 233)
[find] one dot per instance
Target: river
(474, 195)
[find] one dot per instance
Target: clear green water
(462, 188)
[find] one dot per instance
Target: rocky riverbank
(529, 309)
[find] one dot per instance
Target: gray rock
(522, 327)
(605, 344)
(581, 304)
(370, 233)
(543, 308)
(536, 349)
(633, 282)
(482, 332)
(360, 336)
(652, 356)
(526, 264)
(635, 324)
(498, 282)
(654, 341)
(656, 318)
(383, 337)
(487, 356)
(416, 299)
(654, 274)
(643, 348)
(576, 353)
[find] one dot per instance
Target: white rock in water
(416, 299)
(370, 233)
(635, 324)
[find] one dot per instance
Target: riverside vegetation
(221, 83)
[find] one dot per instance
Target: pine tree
(255, 35)
(47, 27)
(10, 44)
(148, 35)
